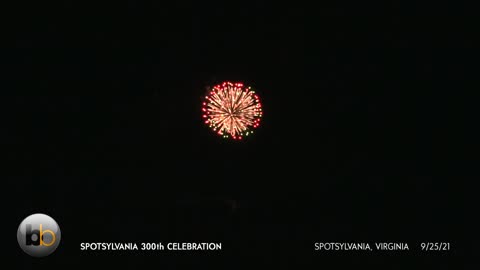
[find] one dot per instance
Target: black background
(103, 132)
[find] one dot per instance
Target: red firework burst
(232, 110)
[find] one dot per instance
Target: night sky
(102, 130)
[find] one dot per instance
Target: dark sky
(103, 131)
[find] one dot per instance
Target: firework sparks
(232, 110)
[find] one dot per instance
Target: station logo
(38, 235)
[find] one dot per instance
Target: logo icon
(38, 235)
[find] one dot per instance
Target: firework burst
(232, 110)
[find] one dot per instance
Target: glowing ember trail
(232, 110)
